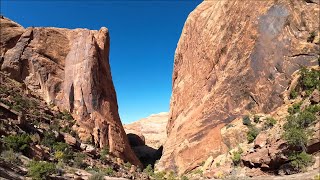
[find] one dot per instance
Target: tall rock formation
(233, 57)
(70, 69)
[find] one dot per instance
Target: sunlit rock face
(70, 69)
(152, 128)
(233, 57)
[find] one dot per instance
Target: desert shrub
(310, 79)
(67, 115)
(171, 176)
(301, 120)
(40, 169)
(78, 160)
(184, 178)
(148, 170)
(108, 171)
(316, 177)
(159, 175)
(246, 121)
(127, 165)
(295, 129)
(295, 108)
(66, 129)
(293, 94)
(54, 125)
(295, 136)
(300, 160)
(256, 119)
(269, 123)
(104, 151)
(62, 151)
(35, 138)
(10, 156)
(18, 143)
(49, 139)
(313, 108)
(60, 167)
(252, 134)
(97, 176)
(198, 171)
(236, 157)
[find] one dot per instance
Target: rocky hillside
(38, 142)
(69, 69)
(234, 58)
(152, 129)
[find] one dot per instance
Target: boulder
(72, 141)
(315, 96)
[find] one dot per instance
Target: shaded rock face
(233, 57)
(69, 68)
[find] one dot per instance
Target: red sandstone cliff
(70, 69)
(233, 57)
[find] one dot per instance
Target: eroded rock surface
(70, 69)
(233, 57)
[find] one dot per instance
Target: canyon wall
(69, 69)
(233, 57)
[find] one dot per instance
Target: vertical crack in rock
(71, 98)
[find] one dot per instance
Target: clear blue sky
(144, 35)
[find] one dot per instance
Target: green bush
(49, 139)
(295, 132)
(184, 178)
(300, 160)
(198, 171)
(236, 157)
(78, 160)
(301, 120)
(313, 108)
(18, 143)
(97, 176)
(293, 94)
(128, 165)
(41, 169)
(296, 137)
(108, 171)
(256, 119)
(269, 123)
(67, 115)
(252, 134)
(310, 79)
(148, 170)
(246, 121)
(171, 176)
(10, 157)
(104, 151)
(295, 108)
(62, 151)
(159, 176)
